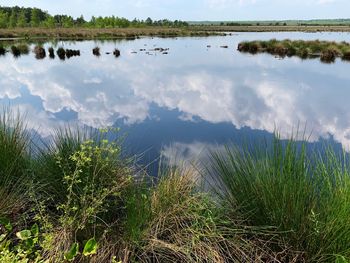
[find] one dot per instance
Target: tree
(22, 20)
(50, 22)
(80, 21)
(35, 17)
(13, 18)
(149, 21)
(3, 19)
(67, 21)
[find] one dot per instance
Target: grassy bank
(131, 33)
(275, 28)
(327, 51)
(78, 200)
(101, 33)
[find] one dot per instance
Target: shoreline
(134, 33)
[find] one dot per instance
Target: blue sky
(195, 9)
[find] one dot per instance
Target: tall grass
(175, 222)
(14, 164)
(305, 198)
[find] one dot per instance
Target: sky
(194, 10)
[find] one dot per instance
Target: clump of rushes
(174, 222)
(61, 53)
(2, 51)
(328, 55)
(15, 167)
(15, 51)
(304, 197)
(346, 55)
(39, 52)
(72, 53)
(327, 51)
(23, 49)
(96, 51)
(51, 52)
(116, 52)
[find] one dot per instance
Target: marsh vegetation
(77, 199)
(327, 51)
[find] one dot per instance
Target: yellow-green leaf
(24, 234)
(90, 247)
(72, 253)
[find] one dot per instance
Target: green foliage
(21, 17)
(22, 20)
(13, 19)
(35, 17)
(72, 253)
(90, 247)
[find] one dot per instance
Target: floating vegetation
(39, 52)
(72, 53)
(61, 53)
(160, 49)
(224, 46)
(116, 52)
(96, 51)
(327, 51)
(2, 51)
(51, 52)
(15, 51)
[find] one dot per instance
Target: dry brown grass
(96, 33)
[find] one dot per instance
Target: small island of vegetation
(327, 51)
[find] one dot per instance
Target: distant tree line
(11, 17)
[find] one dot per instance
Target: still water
(197, 97)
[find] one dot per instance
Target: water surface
(192, 99)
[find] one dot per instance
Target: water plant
(61, 53)
(72, 53)
(15, 51)
(116, 52)
(2, 50)
(39, 52)
(51, 52)
(23, 49)
(96, 51)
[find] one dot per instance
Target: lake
(181, 104)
